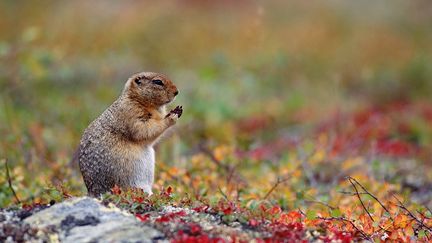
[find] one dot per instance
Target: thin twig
(306, 167)
(231, 171)
(213, 158)
(176, 178)
(352, 193)
(430, 211)
(322, 203)
(351, 179)
(366, 236)
(278, 181)
(238, 193)
(9, 179)
(423, 214)
(223, 194)
(370, 194)
(301, 212)
(358, 196)
(402, 206)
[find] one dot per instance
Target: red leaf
(201, 209)
(169, 190)
(163, 219)
(116, 190)
(228, 210)
(253, 222)
(143, 217)
(394, 148)
(195, 229)
(138, 199)
(170, 216)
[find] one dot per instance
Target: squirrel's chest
(136, 158)
(144, 156)
(142, 169)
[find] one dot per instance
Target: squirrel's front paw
(178, 110)
(175, 114)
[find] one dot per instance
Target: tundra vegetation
(305, 120)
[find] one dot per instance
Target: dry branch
(223, 194)
(9, 179)
(322, 203)
(402, 206)
(352, 193)
(176, 178)
(370, 194)
(366, 236)
(353, 182)
(358, 196)
(277, 183)
(213, 158)
(231, 171)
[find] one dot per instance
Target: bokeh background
(258, 80)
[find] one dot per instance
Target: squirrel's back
(95, 150)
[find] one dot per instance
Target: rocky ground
(133, 217)
(86, 219)
(76, 220)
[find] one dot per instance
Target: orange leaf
(401, 221)
(394, 235)
(275, 210)
(393, 208)
(409, 231)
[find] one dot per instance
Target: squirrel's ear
(138, 80)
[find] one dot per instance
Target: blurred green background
(63, 62)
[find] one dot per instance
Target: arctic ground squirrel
(117, 147)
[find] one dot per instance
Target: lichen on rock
(87, 220)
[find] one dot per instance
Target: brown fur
(114, 142)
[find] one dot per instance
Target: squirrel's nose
(176, 92)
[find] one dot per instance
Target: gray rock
(84, 219)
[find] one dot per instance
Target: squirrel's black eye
(138, 81)
(158, 82)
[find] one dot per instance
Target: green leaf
(386, 214)
(421, 234)
(376, 165)
(254, 205)
(336, 213)
(242, 219)
(300, 195)
(311, 214)
(308, 146)
(367, 197)
(228, 218)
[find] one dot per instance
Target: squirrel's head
(150, 89)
